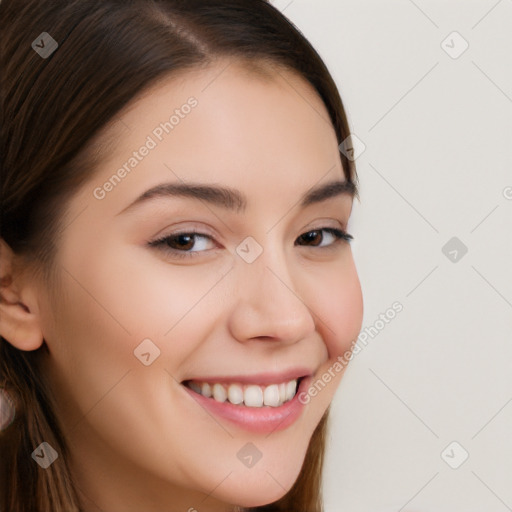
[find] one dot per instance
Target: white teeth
(290, 389)
(273, 395)
(196, 387)
(219, 393)
(206, 390)
(282, 392)
(235, 394)
(253, 396)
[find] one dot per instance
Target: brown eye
(315, 237)
(312, 237)
(183, 242)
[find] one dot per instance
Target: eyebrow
(232, 199)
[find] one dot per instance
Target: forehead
(266, 134)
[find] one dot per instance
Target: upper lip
(264, 378)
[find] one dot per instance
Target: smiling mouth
(248, 395)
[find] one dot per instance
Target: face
(239, 292)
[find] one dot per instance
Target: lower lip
(263, 420)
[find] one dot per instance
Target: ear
(19, 321)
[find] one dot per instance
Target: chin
(266, 488)
(258, 497)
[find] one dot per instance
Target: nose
(268, 305)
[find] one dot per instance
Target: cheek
(109, 305)
(340, 309)
(90, 350)
(149, 296)
(137, 293)
(338, 305)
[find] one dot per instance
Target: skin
(137, 440)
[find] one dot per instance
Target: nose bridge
(268, 304)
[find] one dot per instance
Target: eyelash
(161, 243)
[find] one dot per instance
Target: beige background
(437, 164)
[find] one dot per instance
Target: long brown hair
(52, 107)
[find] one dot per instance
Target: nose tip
(270, 308)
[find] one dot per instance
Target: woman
(177, 284)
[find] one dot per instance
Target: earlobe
(19, 325)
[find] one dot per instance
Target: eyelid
(191, 231)
(203, 230)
